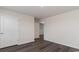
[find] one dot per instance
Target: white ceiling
(41, 12)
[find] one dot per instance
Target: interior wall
(26, 25)
(26, 29)
(63, 29)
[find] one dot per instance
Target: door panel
(9, 31)
(1, 30)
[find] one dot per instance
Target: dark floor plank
(39, 46)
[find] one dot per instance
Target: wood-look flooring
(41, 46)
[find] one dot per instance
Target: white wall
(25, 25)
(63, 29)
(26, 29)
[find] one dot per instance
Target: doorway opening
(41, 31)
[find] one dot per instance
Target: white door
(9, 31)
(1, 30)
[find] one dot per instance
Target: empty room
(39, 28)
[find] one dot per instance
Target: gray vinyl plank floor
(44, 46)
